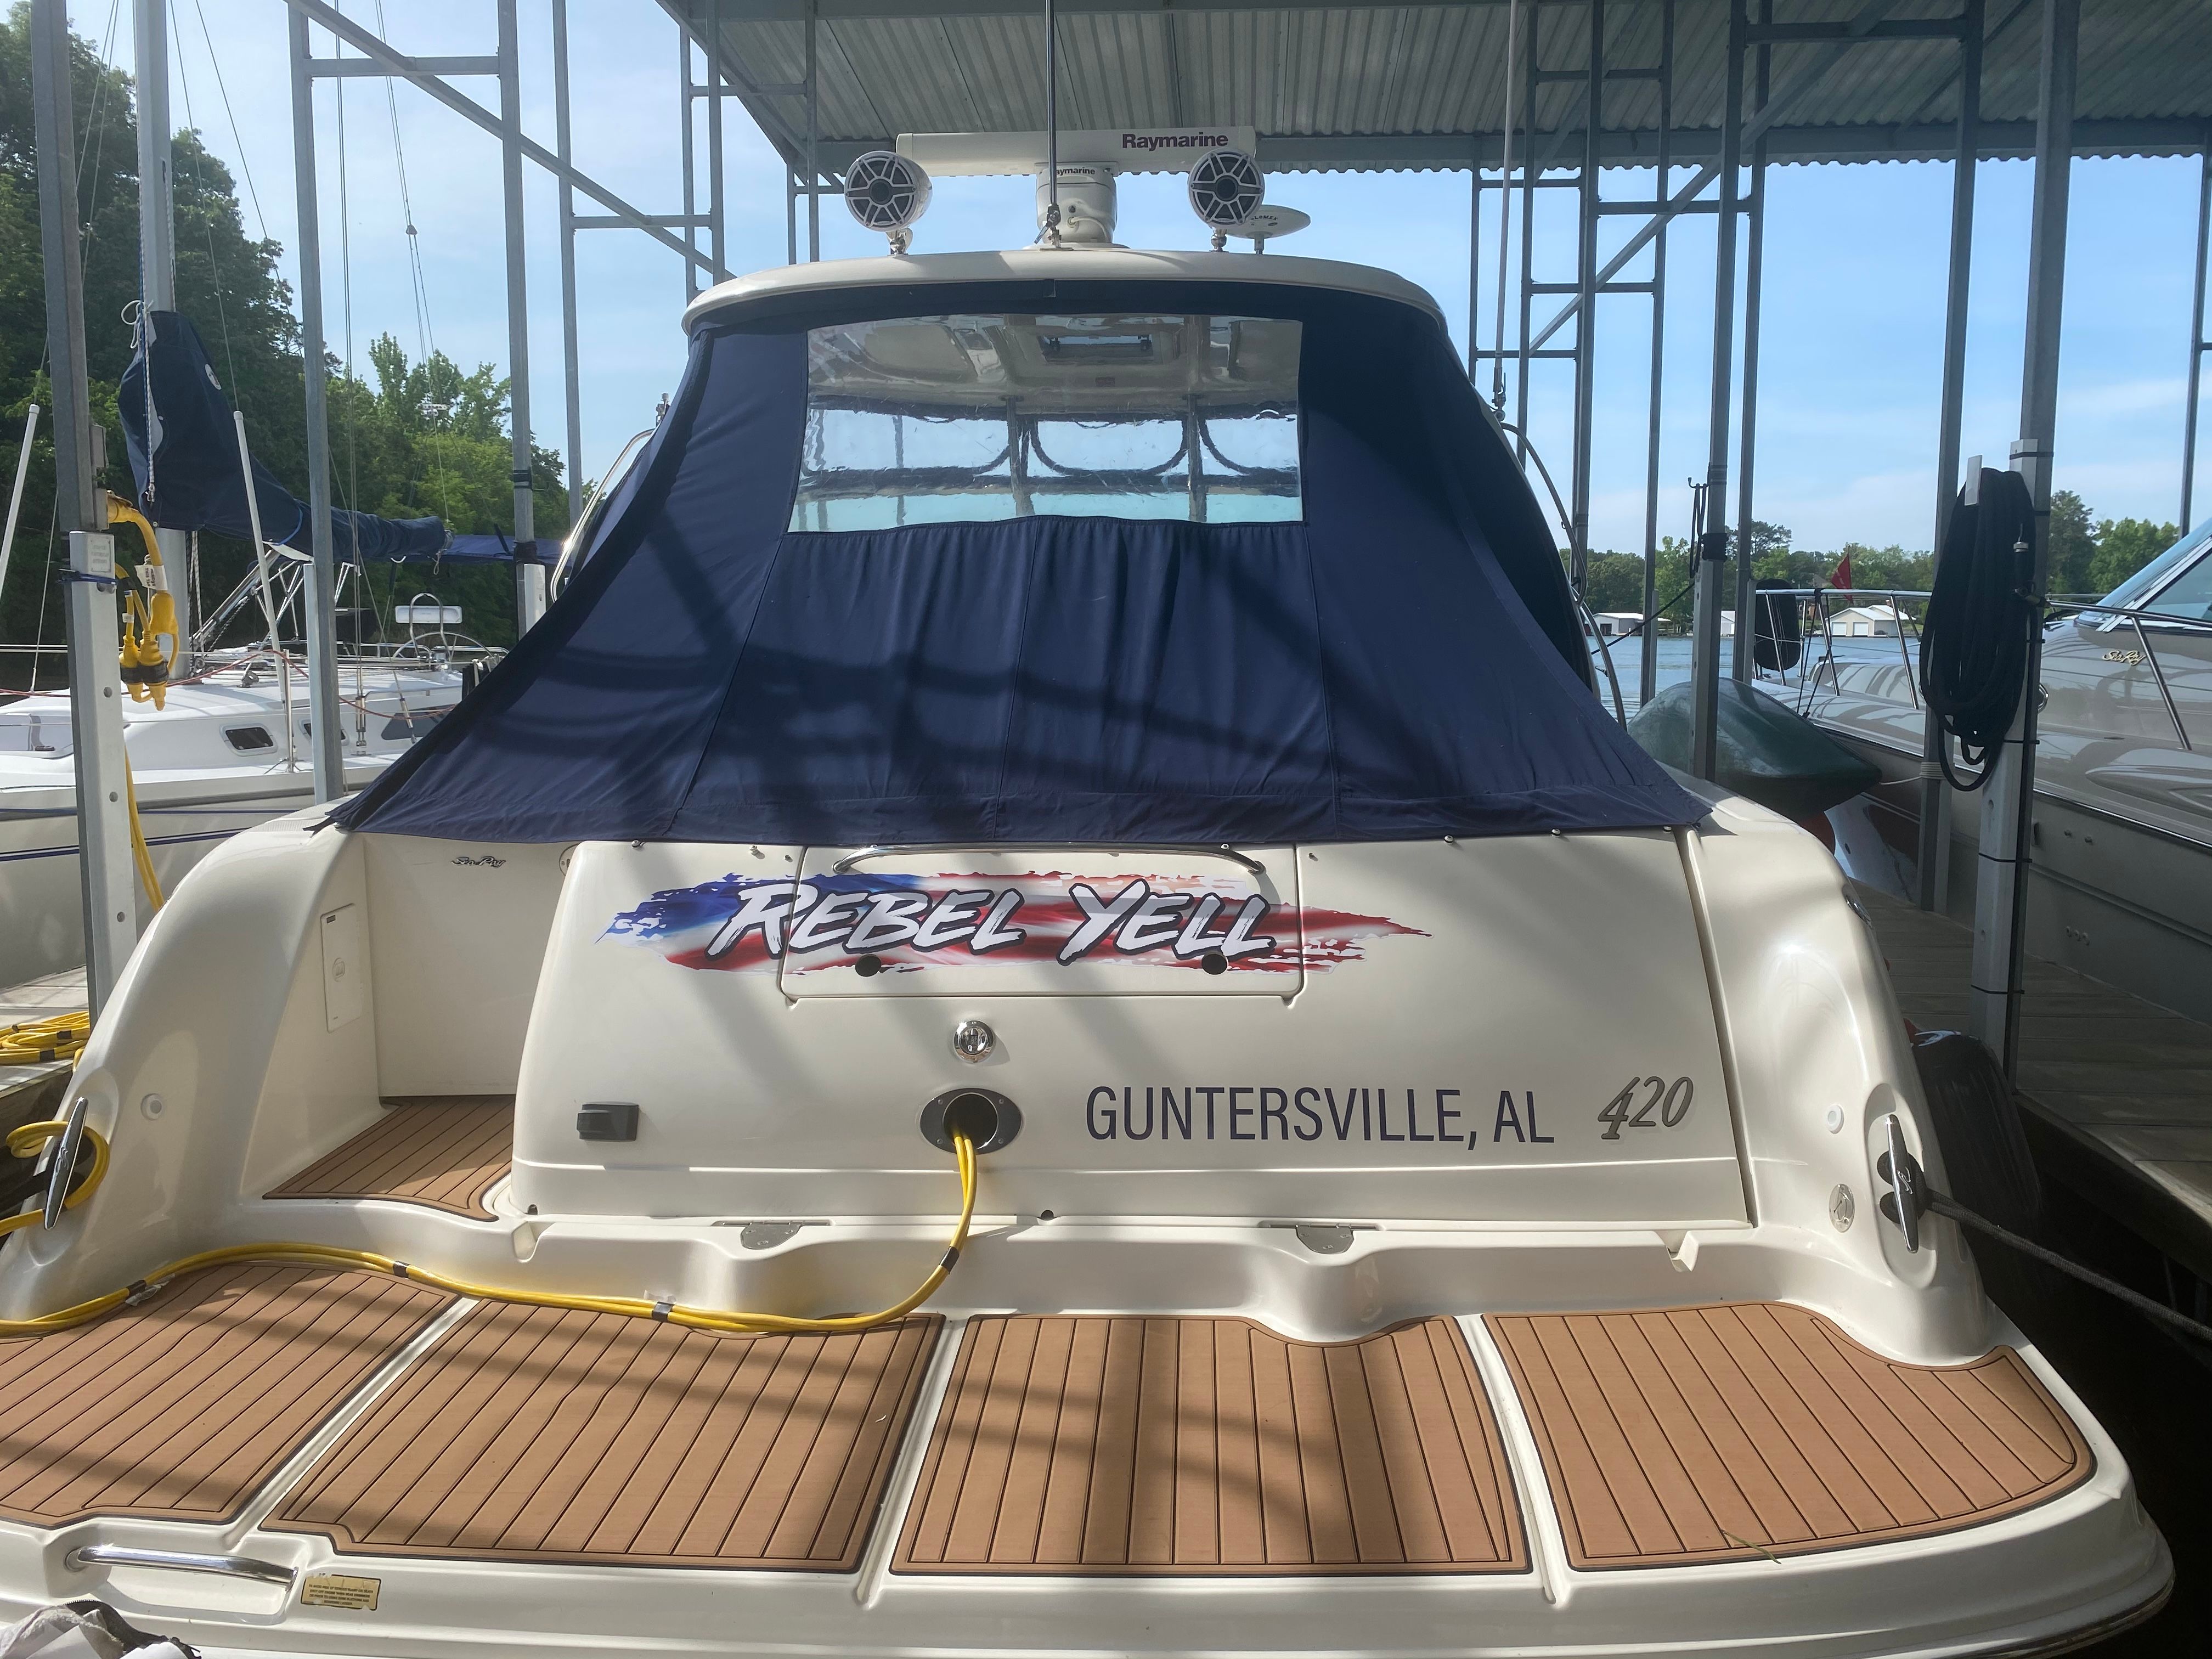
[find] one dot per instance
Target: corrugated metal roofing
(1384, 85)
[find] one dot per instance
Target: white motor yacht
(2121, 884)
(1086, 754)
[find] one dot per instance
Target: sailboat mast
(157, 249)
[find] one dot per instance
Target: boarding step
(180, 1407)
(530, 1434)
(443, 1151)
(1168, 1447)
(1732, 1432)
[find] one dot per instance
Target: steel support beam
(1587, 282)
(1734, 136)
(1935, 851)
(318, 619)
(372, 46)
(2008, 800)
(109, 881)
(1712, 546)
(813, 131)
(572, 391)
(1646, 677)
(687, 161)
(715, 187)
(529, 578)
(157, 251)
(2199, 345)
(1741, 658)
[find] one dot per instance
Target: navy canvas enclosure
(1401, 660)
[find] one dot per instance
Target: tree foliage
(425, 437)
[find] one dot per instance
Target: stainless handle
(1175, 849)
(229, 1566)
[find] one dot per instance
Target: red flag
(1842, 575)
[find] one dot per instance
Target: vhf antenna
(1051, 128)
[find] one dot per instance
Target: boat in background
(2121, 887)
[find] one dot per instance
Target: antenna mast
(1051, 127)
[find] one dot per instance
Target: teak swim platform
(445, 1154)
(1127, 1446)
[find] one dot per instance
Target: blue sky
(1851, 345)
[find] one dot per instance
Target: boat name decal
(1265, 1112)
(894, 923)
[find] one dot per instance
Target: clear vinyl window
(950, 420)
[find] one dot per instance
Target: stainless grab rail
(229, 1566)
(892, 850)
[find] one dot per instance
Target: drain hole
(869, 966)
(1214, 962)
(985, 1116)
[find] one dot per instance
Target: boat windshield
(953, 419)
(2177, 583)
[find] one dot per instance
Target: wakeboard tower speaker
(886, 191)
(1225, 189)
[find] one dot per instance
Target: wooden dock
(28, 1093)
(2117, 1092)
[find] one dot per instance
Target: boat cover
(193, 482)
(1403, 662)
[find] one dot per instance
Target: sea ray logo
(758, 924)
(486, 862)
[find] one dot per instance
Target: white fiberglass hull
(576, 1483)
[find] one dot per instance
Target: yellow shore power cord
(33, 1137)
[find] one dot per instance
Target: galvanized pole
(157, 251)
(1647, 678)
(324, 716)
(686, 86)
(813, 132)
(1934, 854)
(1747, 579)
(2199, 345)
(571, 381)
(1712, 548)
(529, 575)
(715, 191)
(1586, 200)
(2008, 801)
(111, 916)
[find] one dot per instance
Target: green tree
(2073, 546)
(1616, 582)
(432, 442)
(2124, 547)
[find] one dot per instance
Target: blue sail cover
(193, 481)
(1402, 662)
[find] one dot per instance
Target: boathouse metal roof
(1363, 86)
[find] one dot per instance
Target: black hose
(1981, 618)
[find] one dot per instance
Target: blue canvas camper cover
(193, 481)
(1403, 661)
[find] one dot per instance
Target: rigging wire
(243, 166)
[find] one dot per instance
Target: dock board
(1180, 1447)
(1739, 1431)
(179, 1408)
(2117, 1092)
(530, 1434)
(445, 1152)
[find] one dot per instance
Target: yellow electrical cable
(146, 619)
(28, 1141)
(140, 854)
(37, 1041)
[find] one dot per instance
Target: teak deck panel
(180, 1408)
(1737, 1431)
(1169, 1446)
(530, 1434)
(444, 1152)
